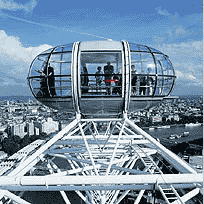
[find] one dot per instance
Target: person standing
(99, 78)
(143, 84)
(150, 83)
(108, 71)
(51, 81)
(134, 80)
(84, 81)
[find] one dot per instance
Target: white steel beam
(187, 196)
(110, 135)
(122, 196)
(15, 198)
(93, 135)
(87, 147)
(101, 119)
(141, 193)
(82, 197)
(63, 194)
(90, 187)
(70, 135)
(29, 162)
(73, 171)
(102, 164)
(114, 151)
(2, 192)
(103, 180)
(131, 166)
(173, 156)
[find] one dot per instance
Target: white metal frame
(100, 162)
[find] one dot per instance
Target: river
(195, 132)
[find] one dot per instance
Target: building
(18, 130)
(33, 110)
(22, 129)
(156, 118)
(48, 126)
(29, 128)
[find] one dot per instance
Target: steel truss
(104, 159)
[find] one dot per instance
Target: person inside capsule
(108, 71)
(134, 80)
(143, 84)
(84, 81)
(118, 84)
(150, 83)
(99, 79)
(47, 82)
(51, 81)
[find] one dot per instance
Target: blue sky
(28, 27)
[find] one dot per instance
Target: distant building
(37, 131)
(156, 118)
(18, 130)
(29, 128)
(176, 117)
(48, 126)
(33, 109)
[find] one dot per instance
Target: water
(195, 132)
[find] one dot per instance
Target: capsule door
(101, 78)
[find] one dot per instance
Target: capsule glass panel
(166, 75)
(38, 81)
(63, 48)
(50, 73)
(101, 73)
(142, 73)
(61, 63)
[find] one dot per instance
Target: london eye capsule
(101, 78)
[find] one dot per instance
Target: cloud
(162, 12)
(11, 5)
(187, 60)
(183, 76)
(15, 60)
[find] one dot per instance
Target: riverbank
(173, 125)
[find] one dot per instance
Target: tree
(9, 146)
(172, 121)
(163, 119)
(17, 139)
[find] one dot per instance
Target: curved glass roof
(142, 48)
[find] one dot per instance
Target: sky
(28, 27)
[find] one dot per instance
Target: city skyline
(30, 27)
